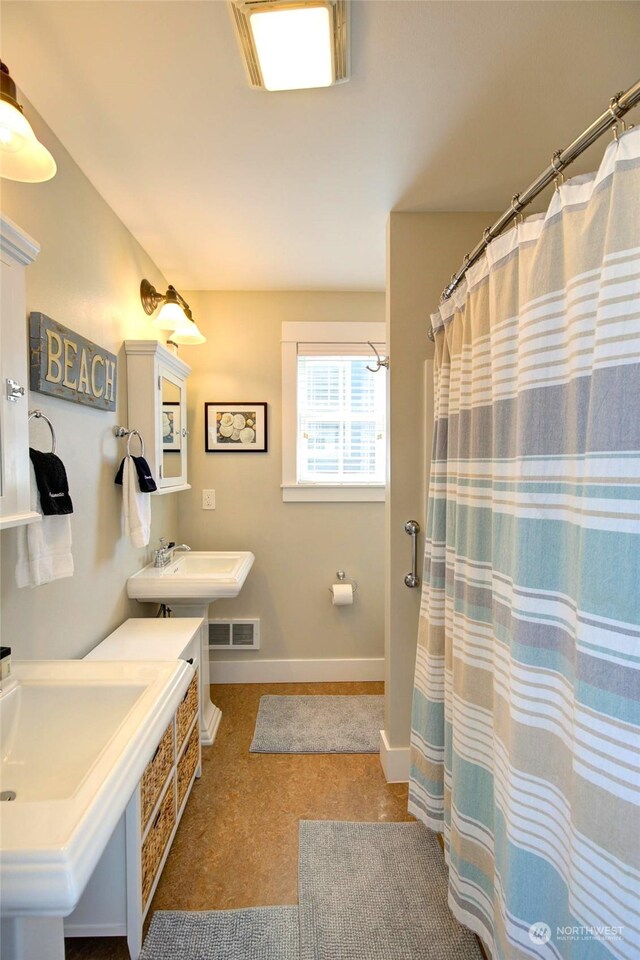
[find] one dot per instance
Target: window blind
(341, 415)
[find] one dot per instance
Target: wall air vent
(339, 12)
(234, 634)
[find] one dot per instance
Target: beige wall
(298, 546)
(423, 250)
(87, 277)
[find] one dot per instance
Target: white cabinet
(118, 896)
(17, 251)
(157, 407)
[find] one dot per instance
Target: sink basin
(195, 577)
(195, 564)
(76, 736)
(52, 734)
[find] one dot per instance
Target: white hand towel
(44, 546)
(136, 506)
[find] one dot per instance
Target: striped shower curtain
(526, 709)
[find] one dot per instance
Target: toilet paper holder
(343, 578)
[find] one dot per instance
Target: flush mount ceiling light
(22, 156)
(293, 46)
(174, 315)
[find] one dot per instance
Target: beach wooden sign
(68, 366)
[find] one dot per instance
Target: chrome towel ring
(125, 432)
(39, 415)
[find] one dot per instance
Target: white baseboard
(296, 671)
(395, 761)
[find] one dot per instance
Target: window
(341, 415)
(334, 412)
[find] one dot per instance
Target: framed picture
(235, 427)
(171, 427)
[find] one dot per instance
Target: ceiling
(451, 106)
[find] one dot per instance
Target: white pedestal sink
(188, 585)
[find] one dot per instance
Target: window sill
(332, 493)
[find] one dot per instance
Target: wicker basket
(188, 763)
(153, 779)
(156, 841)
(186, 711)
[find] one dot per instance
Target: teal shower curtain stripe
(526, 710)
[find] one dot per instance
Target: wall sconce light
(294, 44)
(22, 156)
(174, 316)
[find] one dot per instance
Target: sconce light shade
(171, 316)
(22, 156)
(174, 316)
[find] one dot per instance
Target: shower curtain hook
(616, 132)
(615, 109)
(617, 114)
(557, 165)
(516, 206)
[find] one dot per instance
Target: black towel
(51, 479)
(145, 480)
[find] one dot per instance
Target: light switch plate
(208, 499)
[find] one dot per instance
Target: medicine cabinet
(157, 408)
(17, 251)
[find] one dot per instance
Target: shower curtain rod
(618, 107)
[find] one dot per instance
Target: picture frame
(171, 426)
(235, 427)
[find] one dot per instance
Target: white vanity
(112, 905)
(101, 756)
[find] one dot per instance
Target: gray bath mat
(267, 933)
(376, 891)
(318, 724)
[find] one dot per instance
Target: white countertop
(147, 638)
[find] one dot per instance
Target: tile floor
(237, 844)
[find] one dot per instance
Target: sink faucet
(164, 554)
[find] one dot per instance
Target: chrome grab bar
(412, 527)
